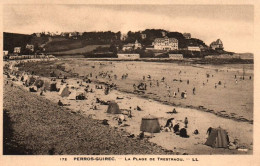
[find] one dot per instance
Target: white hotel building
(165, 43)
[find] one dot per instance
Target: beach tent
(64, 91)
(218, 138)
(150, 124)
(72, 95)
(50, 86)
(39, 83)
(30, 80)
(113, 108)
(25, 77)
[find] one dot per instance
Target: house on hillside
(194, 48)
(17, 50)
(217, 45)
(38, 34)
(163, 33)
(30, 47)
(73, 35)
(132, 46)
(165, 43)
(5, 53)
(123, 37)
(143, 35)
(187, 35)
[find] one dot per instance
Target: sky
(233, 24)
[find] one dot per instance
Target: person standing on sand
(134, 86)
(169, 93)
(130, 112)
(186, 122)
(194, 91)
(157, 83)
(60, 103)
(174, 94)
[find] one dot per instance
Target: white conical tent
(72, 95)
(64, 91)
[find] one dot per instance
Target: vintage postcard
(129, 83)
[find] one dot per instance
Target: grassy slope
(39, 126)
(62, 44)
(12, 40)
(82, 50)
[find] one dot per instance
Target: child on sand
(60, 103)
(186, 122)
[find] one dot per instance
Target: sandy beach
(198, 119)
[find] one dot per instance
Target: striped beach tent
(218, 138)
(150, 124)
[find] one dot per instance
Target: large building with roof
(165, 43)
(187, 35)
(132, 46)
(217, 45)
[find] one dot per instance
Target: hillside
(12, 40)
(62, 44)
(246, 55)
(82, 50)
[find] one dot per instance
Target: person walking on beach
(194, 91)
(169, 93)
(130, 113)
(185, 95)
(134, 86)
(157, 83)
(186, 122)
(174, 94)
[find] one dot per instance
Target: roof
(217, 42)
(165, 38)
(128, 45)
